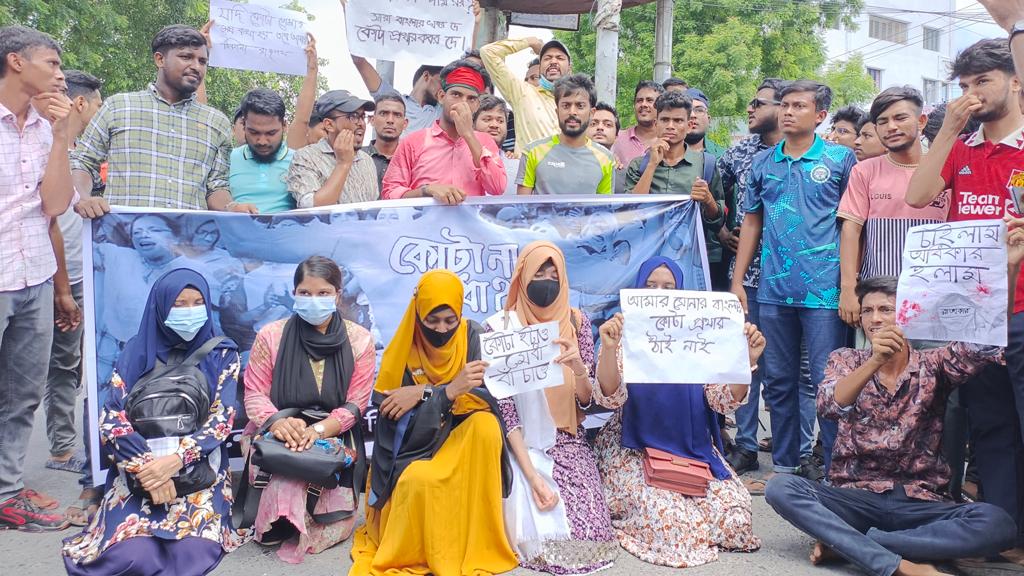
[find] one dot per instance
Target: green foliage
(726, 47)
(850, 82)
(111, 40)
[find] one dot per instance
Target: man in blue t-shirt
(793, 192)
(259, 167)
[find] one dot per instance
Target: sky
(969, 33)
(329, 29)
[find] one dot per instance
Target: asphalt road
(784, 550)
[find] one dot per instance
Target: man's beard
(904, 146)
(765, 127)
(998, 113)
(265, 159)
(694, 137)
(579, 131)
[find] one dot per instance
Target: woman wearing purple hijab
(144, 526)
(657, 525)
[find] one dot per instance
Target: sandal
(765, 445)
(73, 464)
(756, 485)
(40, 499)
(88, 504)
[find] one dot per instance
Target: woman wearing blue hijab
(654, 524)
(143, 525)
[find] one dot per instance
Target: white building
(902, 42)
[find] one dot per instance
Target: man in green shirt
(673, 167)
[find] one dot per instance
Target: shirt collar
(156, 94)
(282, 152)
(1014, 139)
(31, 119)
(813, 153)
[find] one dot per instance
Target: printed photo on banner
(521, 360)
(423, 30)
(257, 37)
(383, 248)
(696, 337)
(954, 284)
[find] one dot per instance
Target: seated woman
(439, 469)
(144, 525)
(556, 517)
(314, 360)
(657, 525)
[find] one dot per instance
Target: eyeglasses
(843, 131)
(758, 102)
(353, 116)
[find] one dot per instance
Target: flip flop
(87, 506)
(40, 499)
(73, 464)
(755, 485)
(765, 445)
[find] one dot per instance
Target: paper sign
(683, 336)
(953, 283)
(521, 360)
(427, 31)
(260, 38)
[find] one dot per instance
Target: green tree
(850, 82)
(726, 47)
(111, 40)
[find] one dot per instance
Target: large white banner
(427, 31)
(257, 37)
(683, 337)
(954, 284)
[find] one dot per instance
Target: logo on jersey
(965, 171)
(820, 173)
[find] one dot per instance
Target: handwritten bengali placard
(428, 31)
(259, 38)
(683, 336)
(954, 285)
(521, 360)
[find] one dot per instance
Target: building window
(932, 91)
(932, 39)
(876, 76)
(887, 29)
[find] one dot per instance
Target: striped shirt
(160, 154)
(549, 167)
(876, 199)
(26, 256)
(313, 165)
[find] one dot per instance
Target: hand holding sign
(525, 360)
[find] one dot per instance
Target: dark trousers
(876, 531)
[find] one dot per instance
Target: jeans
(808, 403)
(784, 327)
(747, 421)
(26, 331)
(62, 382)
(875, 531)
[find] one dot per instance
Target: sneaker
(742, 460)
(19, 513)
(810, 469)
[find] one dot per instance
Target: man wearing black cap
(533, 106)
(334, 170)
(700, 120)
(421, 106)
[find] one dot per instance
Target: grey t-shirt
(552, 168)
(70, 225)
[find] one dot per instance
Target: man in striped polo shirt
(874, 206)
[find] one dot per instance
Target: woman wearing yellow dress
(440, 467)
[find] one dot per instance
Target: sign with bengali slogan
(683, 336)
(427, 31)
(257, 37)
(521, 360)
(954, 283)
(383, 248)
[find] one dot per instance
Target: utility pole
(663, 41)
(606, 22)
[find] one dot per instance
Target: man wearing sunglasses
(735, 163)
(335, 170)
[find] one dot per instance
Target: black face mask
(435, 338)
(543, 293)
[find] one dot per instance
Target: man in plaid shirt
(163, 148)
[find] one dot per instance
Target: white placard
(427, 31)
(683, 337)
(953, 285)
(256, 37)
(521, 360)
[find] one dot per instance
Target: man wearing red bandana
(449, 160)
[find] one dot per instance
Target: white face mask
(186, 321)
(315, 309)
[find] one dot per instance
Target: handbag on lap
(686, 476)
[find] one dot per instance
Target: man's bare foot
(908, 568)
(822, 554)
(1015, 555)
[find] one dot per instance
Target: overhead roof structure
(551, 6)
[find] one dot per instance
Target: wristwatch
(428, 391)
(319, 429)
(1018, 27)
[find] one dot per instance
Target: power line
(859, 48)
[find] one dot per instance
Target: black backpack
(172, 399)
